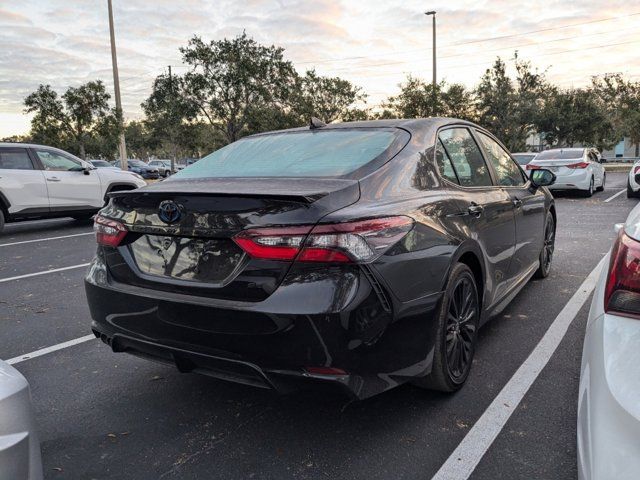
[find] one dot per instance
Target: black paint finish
(265, 322)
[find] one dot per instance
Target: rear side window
(322, 153)
(15, 159)
(445, 167)
(465, 155)
(509, 174)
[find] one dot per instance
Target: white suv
(45, 182)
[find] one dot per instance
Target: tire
(630, 192)
(589, 193)
(1, 220)
(601, 187)
(453, 334)
(546, 254)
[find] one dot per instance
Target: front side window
(465, 155)
(57, 162)
(15, 159)
(322, 153)
(509, 174)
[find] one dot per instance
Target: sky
(375, 43)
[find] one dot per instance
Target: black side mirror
(542, 177)
(86, 170)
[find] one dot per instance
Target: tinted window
(15, 159)
(509, 174)
(56, 161)
(100, 163)
(327, 153)
(559, 154)
(445, 167)
(466, 157)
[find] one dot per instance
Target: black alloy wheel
(458, 322)
(589, 193)
(546, 255)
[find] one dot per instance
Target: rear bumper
(278, 343)
(578, 179)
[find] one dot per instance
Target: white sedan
(575, 169)
(609, 394)
(633, 187)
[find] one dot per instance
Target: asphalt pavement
(113, 416)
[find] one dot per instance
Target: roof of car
(409, 124)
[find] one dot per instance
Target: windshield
(328, 153)
(137, 163)
(559, 154)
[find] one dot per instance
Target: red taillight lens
(359, 242)
(578, 165)
(533, 167)
(108, 232)
(636, 169)
(622, 292)
(325, 371)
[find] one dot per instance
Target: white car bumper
(575, 179)
(609, 396)
(19, 446)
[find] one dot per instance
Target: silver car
(19, 446)
(609, 394)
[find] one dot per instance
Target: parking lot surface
(113, 416)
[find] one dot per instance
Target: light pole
(432, 13)
(116, 85)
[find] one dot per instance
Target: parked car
(142, 169)
(102, 164)
(575, 169)
(163, 166)
(37, 181)
(359, 255)
(19, 446)
(609, 393)
(633, 187)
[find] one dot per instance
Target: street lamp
(432, 13)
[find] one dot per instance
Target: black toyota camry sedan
(358, 255)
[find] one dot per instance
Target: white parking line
(45, 239)
(53, 270)
(615, 195)
(53, 348)
(464, 459)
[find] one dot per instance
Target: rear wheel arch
(4, 205)
(472, 260)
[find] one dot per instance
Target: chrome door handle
(53, 179)
(475, 210)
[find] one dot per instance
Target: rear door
(488, 209)
(21, 182)
(598, 169)
(69, 186)
(529, 206)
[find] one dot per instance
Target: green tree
(416, 100)
(508, 108)
(73, 120)
(230, 80)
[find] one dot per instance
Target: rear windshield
(523, 158)
(559, 154)
(328, 153)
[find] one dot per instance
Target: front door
(22, 183)
(68, 184)
(528, 204)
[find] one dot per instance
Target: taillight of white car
(622, 292)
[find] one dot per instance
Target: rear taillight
(533, 167)
(636, 169)
(108, 232)
(578, 165)
(350, 242)
(622, 292)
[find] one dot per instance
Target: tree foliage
(78, 119)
